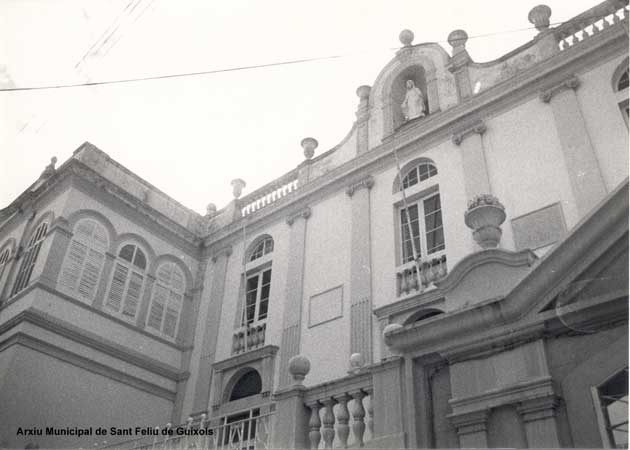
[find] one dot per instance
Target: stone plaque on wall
(539, 228)
(325, 306)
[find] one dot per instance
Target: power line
(231, 69)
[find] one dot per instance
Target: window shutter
(134, 291)
(172, 314)
(117, 288)
(157, 307)
(72, 266)
(91, 274)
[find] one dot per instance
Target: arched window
(418, 173)
(125, 291)
(4, 262)
(263, 248)
(620, 83)
(167, 300)
(29, 257)
(84, 260)
(248, 384)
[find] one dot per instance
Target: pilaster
(212, 320)
(360, 270)
(292, 317)
(472, 429)
(539, 417)
(293, 417)
(583, 168)
(470, 140)
(363, 116)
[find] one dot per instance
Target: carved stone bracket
(572, 82)
(305, 213)
(366, 182)
(478, 127)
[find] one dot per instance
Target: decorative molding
(572, 82)
(538, 408)
(468, 423)
(25, 340)
(367, 183)
(426, 298)
(305, 213)
(459, 135)
(495, 255)
(245, 358)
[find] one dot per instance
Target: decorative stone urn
(237, 187)
(309, 145)
(484, 216)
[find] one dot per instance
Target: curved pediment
(483, 275)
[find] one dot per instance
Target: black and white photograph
(252, 225)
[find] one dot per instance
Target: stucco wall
(58, 394)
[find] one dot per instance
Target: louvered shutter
(117, 288)
(72, 266)
(132, 298)
(91, 274)
(157, 307)
(172, 314)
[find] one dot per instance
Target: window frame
(131, 270)
(8, 250)
(170, 290)
(621, 95)
(260, 273)
(34, 246)
(416, 195)
(603, 420)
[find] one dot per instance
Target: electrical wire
(231, 69)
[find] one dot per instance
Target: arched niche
(417, 74)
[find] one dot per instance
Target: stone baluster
(314, 424)
(370, 412)
(343, 416)
(328, 430)
(358, 414)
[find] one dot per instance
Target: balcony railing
(248, 338)
(414, 278)
(271, 192)
(253, 433)
(591, 22)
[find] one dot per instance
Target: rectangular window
(257, 297)
(423, 221)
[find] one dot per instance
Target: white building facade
(459, 278)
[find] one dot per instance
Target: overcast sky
(190, 136)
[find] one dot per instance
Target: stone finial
(211, 210)
(237, 187)
(406, 37)
(309, 145)
(50, 168)
(299, 367)
(539, 17)
(356, 361)
(457, 39)
(363, 92)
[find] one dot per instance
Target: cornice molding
(267, 351)
(478, 127)
(33, 343)
(367, 183)
(304, 213)
(573, 82)
(426, 298)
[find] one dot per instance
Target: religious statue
(413, 104)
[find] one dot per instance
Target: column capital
(538, 408)
(478, 127)
(304, 213)
(472, 422)
(366, 183)
(222, 252)
(573, 82)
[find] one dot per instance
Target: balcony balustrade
(415, 278)
(248, 338)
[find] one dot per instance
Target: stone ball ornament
(406, 37)
(356, 360)
(457, 39)
(299, 367)
(237, 187)
(363, 92)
